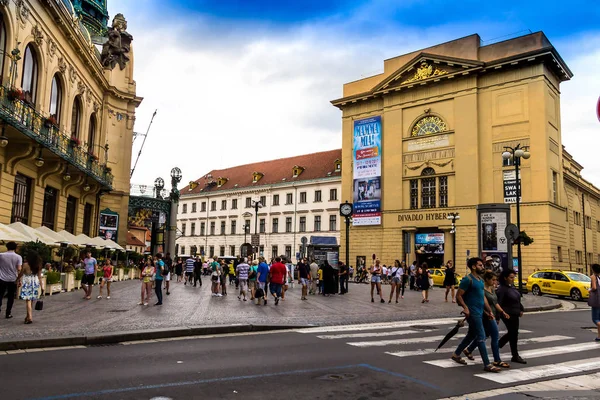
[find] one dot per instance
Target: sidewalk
(192, 311)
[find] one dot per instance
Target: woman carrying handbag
(594, 300)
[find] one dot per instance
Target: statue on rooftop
(116, 49)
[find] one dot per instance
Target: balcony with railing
(21, 115)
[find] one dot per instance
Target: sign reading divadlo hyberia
(367, 171)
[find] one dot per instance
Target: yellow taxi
(560, 283)
(439, 274)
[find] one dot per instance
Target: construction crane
(135, 134)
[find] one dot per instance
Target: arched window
(56, 97)
(92, 133)
(2, 47)
(30, 74)
(76, 117)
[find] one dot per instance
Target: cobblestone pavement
(67, 314)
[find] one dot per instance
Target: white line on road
(535, 353)
(382, 325)
(543, 371)
(373, 334)
(378, 343)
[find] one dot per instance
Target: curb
(102, 339)
(543, 308)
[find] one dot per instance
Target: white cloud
(229, 94)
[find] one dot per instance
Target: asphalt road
(340, 362)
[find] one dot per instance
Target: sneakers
(276, 300)
(140, 304)
(99, 297)
(108, 297)
(145, 304)
(219, 295)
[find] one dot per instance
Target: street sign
(255, 239)
(511, 231)
(304, 240)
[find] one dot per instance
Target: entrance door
(432, 260)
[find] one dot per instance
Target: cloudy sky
(239, 81)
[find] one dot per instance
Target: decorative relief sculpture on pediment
(425, 71)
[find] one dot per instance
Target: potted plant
(120, 273)
(51, 122)
(68, 278)
(78, 277)
(129, 273)
(53, 283)
(15, 94)
(74, 141)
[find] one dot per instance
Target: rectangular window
(289, 198)
(248, 202)
(71, 215)
(222, 227)
(576, 218)
(192, 229)
(21, 199)
(275, 225)
(443, 191)
(184, 209)
(213, 205)
(261, 226)
(302, 224)
(212, 228)
(317, 223)
(274, 251)
(263, 200)
(211, 251)
(275, 199)
(234, 204)
(88, 210)
(332, 194)
(203, 206)
(183, 228)
(333, 223)
(414, 194)
(182, 249)
(261, 250)
(232, 251)
(554, 187)
(202, 228)
(578, 257)
(428, 193)
(288, 252)
(233, 227)
(588, 222)
(317, 196)
(560, 255)
(288, 224)
(221, 251)
(223, 204)
(247, 226)
(193, 207)
(202, 253)
(302, 197)
(49, 211)
(507, 162)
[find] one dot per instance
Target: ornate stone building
(67, 115)
(443, 116)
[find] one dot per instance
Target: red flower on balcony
(92, 156)
(75, 142)
(51, 121)
(15, 94)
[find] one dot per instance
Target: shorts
(261, 285)
(189, 274)
(88, 279)
(252, 285)
(107, 279)
(244, 285)
(376, 279)
(304, 281)
(396, 280)
(167, 277)
(275, 288)
(595, 315)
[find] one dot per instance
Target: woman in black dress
(509, 299)
(179, 270)
(423, 282)
(449, 279)
(328, 279)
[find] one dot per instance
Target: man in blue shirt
(471, 298)
(262, 274)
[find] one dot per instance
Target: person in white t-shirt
(10, 267)
(384, 274)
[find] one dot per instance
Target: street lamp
(453, 217)
(256, 204)
(515, 154)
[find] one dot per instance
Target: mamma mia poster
(367, 172)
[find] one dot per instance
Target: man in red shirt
(277, 275)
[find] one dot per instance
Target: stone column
(172, 229)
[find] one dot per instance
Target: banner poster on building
(367, 172)
(109, 225)
(509, 179)
(492, 239)
(429, 243)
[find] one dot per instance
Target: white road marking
(536, 353)
(377, 326)
(543, 371)
(580, 382)
(429, 339)
(373, 334)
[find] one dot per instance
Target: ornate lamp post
(256, 204)
(159, 184)
(516, 154)
(174, 197)
(453, 217)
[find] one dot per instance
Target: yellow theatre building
(425, 139)
(67, 108)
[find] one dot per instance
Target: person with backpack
(225, 270)
(472, 299)
(252, 274)
(214, 277)
(161, 272)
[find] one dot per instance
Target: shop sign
(367, 172)
(422, 217)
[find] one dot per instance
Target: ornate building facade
(439, 120)
(298, 196)
(67, 115)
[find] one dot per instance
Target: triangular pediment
(425, 68)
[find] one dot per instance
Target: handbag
(594, 299)
(39, 305)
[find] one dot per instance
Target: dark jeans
(491, 330)
(11, 288)
(197, 277)
(158, 289)
(512, 334)
(343, 284)
(476, 332)
(403, 284)
(412, 283)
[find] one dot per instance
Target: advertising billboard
(429, 243)
(366, 154)
(493, 242)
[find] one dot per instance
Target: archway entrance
(429, 248)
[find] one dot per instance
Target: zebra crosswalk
(416, 341)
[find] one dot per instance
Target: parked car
(439, 274)
(560, 283)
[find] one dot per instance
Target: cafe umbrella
(452, 333)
